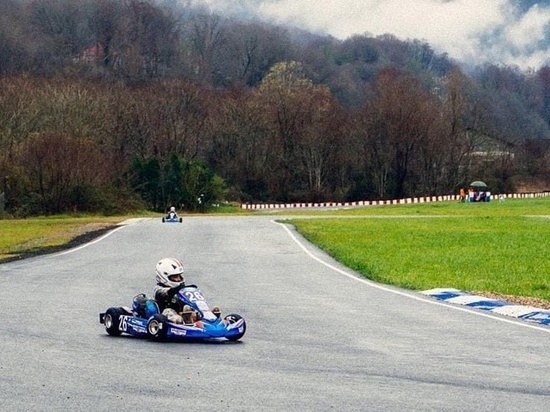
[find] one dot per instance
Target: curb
(501, 307)
(409, 200)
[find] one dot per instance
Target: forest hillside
(109, 106)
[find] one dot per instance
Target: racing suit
(169, 304)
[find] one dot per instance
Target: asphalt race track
(318, 339)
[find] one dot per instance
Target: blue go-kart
(172, 217)
(145, 320)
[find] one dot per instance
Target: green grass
(493, 247)
(510, 207)
(228, 208)
(19, 236)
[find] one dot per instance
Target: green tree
(146, 181)
(188, 184)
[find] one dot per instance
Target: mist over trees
(109, 106)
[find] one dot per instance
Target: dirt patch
(518, 300)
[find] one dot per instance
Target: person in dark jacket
(170, 280)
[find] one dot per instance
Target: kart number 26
(123, 323)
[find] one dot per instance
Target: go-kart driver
(172, 210)
(170, 280)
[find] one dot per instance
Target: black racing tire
(163, 220)
(156, 327)
(233, 318)
(112, 320)
(181, 219)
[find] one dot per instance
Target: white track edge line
(87, 243)
(386, 289)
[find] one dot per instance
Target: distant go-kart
(145, 320)
(172, 217)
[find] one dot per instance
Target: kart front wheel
(234, 318)
(111, 321)
(156, 327)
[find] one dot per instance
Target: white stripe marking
(125, 223)
(431, 301)
(88, 243)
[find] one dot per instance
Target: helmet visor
(175, 278)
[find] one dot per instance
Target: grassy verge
(493, 247)
(25, 237)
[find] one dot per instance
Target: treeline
(116, 105)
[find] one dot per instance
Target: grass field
(494, 247)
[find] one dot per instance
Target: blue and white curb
(501, 307)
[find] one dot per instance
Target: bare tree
(249, 51)
(205, 35)
(396, 123)
(58, 164)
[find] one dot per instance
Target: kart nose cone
(216, 330)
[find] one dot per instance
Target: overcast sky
(473, 31)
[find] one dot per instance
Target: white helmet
(169, 272)
(172, 209)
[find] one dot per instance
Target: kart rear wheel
(111, 321)
(156, 327)
(163, 220)
(234, 318)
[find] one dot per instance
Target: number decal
(123, 325)
(194, 295)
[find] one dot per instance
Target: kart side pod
(144, 307)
